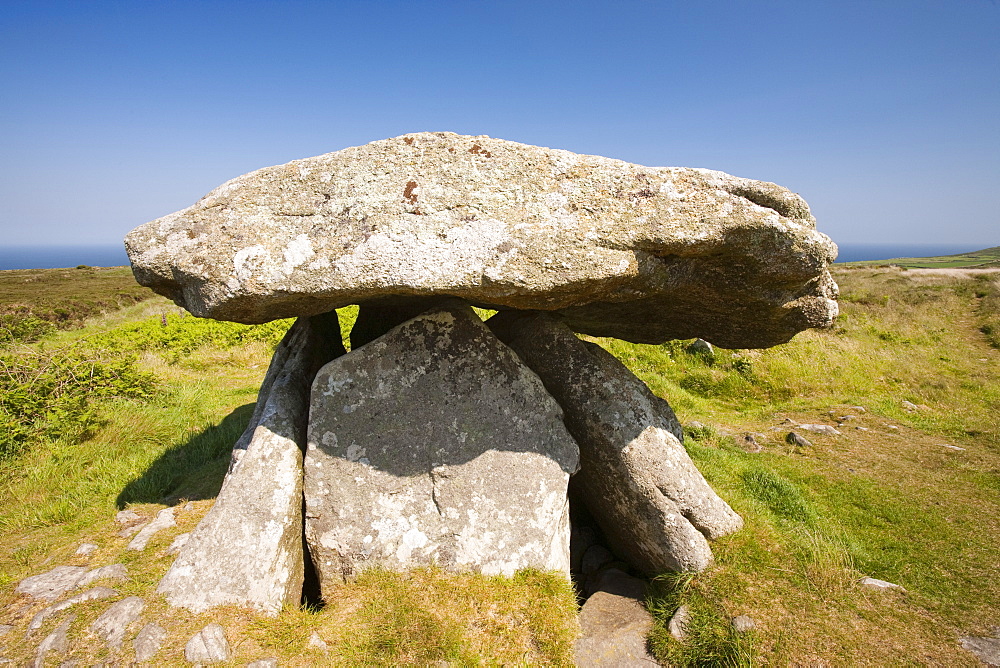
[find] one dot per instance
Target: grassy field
(909, 492)
(988, 258)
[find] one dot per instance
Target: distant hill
(988, 258)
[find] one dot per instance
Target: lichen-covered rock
(640, 253)
(636, 479)
(148, 641)
(434, 444)
(208, 646)
(248, 549)
(113, 623)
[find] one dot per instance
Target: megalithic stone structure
(432, 441)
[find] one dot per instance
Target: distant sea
(859, 252)
(49, 257)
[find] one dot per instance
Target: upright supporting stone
(248, 549)
(434, 444)
(636, 479)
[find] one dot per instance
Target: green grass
(888, 503)
(988, 258)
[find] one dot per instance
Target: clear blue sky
(884, 115)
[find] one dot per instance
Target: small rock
(89, 595)
(679, 622)
(952, 447)
(743, 624)
(694, 425)
(112, 572)
(125, 517)
(4, 628)
(908, 406)
(316, 642)
(701, 347)
(845, 418)
(130, 530)
(795, 439)
(594, 558)
(790, 422)
(54, 642)
(208, 645)
(178, 543)
(53, 584)
(873, 583)
(862, 428)
(188, 507)
(164, 519)
(264, 663)
(114, 622)
(613, 632)
(986, 649)
(148, 642)
(824, 429)
(86, 549)
(750, 444)
(858, 409)
(892, 427)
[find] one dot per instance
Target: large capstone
(635, 478)
(434, 444)
(248, 549)
(639, 253)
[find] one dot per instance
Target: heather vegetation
(138, 407)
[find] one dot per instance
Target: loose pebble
(316, 642)
(873, 583)
(743, 624)
(796, 439)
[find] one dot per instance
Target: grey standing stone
(208, 646)
(986, 650)
(434, 444)
(89, 595)
(247, 550)
(52, 584)
(613, 631)
(164, 520)
(640, 253)
(57, 641)
(114, 622)
(650, 501)
(148, 642)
